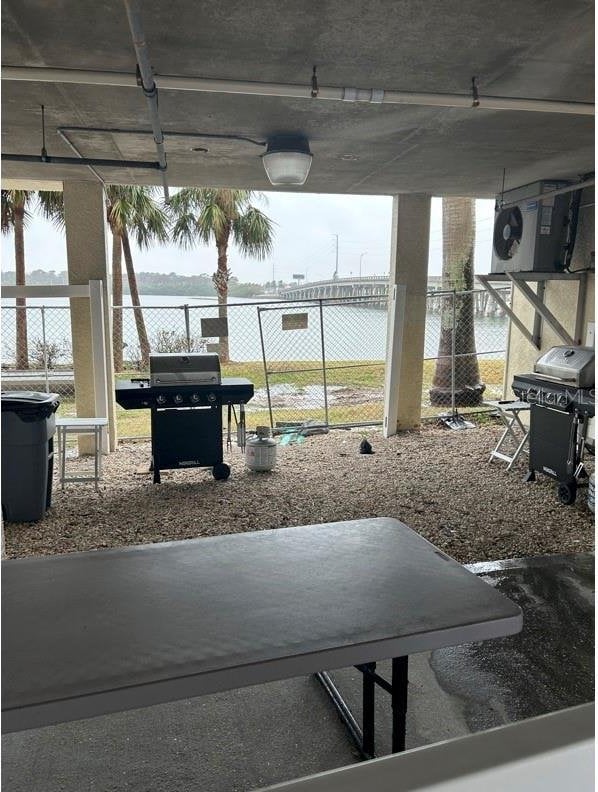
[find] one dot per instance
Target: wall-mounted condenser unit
(530, 234)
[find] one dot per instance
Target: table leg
(102, 450)
(343, 710)
(397, 687)
(96, 447)
(62, 444)
(506, 431)
(519, 449)
(399, 702)
(369, 708)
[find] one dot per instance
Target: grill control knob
(161, 398)
(195, 398)
(178, 399)
(211, 397)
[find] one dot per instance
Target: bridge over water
(377, 286)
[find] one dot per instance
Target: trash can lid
(29, 401)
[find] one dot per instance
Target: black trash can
(28, 426)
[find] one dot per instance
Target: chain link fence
(313, 360)
(324, 360)
(37, 352)
(466, 342)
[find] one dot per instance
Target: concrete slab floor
(249, 738)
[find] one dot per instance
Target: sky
(305, 233)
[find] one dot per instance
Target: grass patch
(299, 375)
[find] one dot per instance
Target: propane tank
(260, 453)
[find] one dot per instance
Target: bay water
(346, 331)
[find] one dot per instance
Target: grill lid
(194, 368)
(574, 365)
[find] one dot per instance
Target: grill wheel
(567, 491)
(221, 471)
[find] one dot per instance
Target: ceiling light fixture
(287, 160)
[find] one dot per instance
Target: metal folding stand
(365, 737)
(515, 431)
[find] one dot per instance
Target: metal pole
(336, 261)
(399, 702)
(537, 331)
(148, 85)
(259, 319)
(360, 260)
(187, 327)
(323, 363)
(45, 348)
(343, 710)
(453, 340)
(369, 710)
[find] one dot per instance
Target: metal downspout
(148, 85)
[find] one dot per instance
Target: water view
(351, 331)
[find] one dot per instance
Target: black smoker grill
(561, 397)
(186, 394)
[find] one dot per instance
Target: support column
(409, 268)
(86, 245)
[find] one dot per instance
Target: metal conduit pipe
(85, 161)
(148, 85)
(246, 87)
(76, 151)
(560, 191)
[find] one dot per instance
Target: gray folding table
(86, 634)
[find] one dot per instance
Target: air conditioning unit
(530, 234)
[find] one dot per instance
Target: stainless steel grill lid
(569, 364)
(193, 368)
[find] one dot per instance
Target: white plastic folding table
(85, 634)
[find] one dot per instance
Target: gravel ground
(437, 481)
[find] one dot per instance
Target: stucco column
(409, 268)
(87, 257)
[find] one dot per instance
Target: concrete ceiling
(531, 49)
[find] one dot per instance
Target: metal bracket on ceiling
(314, 84)
(474, 92)
(44, 154)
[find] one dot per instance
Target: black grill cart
(186, 420)
(561, 395)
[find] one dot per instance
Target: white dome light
(287, 160)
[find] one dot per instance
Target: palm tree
(458, 233)
(131, 210)
(16, 205)
(14, 218)
(206, 215)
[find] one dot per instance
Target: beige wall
(560, 297)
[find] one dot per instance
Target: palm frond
(51, 205)
(212, 222)
(211, 214)
(253, 233)
(184, 230)
(13, 202)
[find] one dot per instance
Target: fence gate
(324, 361)
(294, 355)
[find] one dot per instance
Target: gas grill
(561, 397)
(186, 394)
